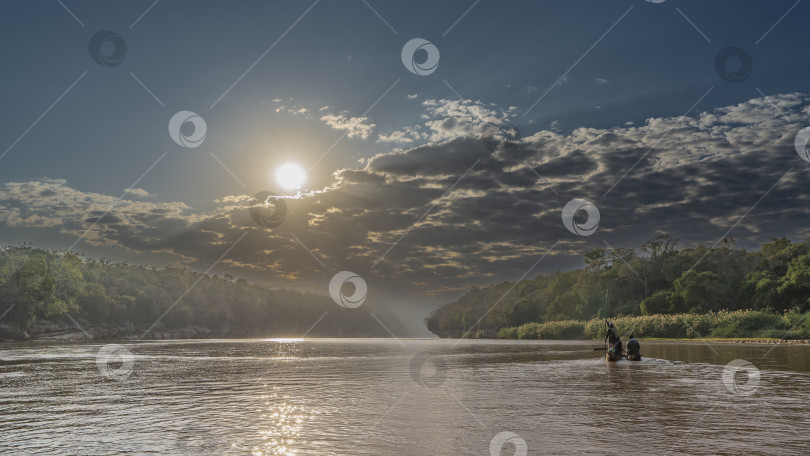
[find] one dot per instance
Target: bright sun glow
(290, 176)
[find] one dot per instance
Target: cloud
(356, 126)
(445, 119)
(293, 110)
(699, 178)
(404, 136)
(469, 209)
(139, 192)
(290, 106)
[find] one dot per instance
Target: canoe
(612, 356)
(614, 352)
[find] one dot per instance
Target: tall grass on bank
(723, 324)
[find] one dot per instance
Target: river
(411, 397)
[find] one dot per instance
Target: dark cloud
(692, 177)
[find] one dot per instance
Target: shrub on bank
(746, 323)
(508, 333)
(567, 329)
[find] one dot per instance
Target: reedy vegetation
(723, 324)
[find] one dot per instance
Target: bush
(567, 329)
(507, 333)
(655, 304)
(746, 323)
(527, 331)
(595, 329)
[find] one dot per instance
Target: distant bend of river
(413, 397)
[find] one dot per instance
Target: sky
(431, 165)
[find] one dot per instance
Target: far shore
(753, 340)
(188, 334)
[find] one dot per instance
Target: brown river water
(410, 397)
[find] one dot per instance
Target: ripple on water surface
(380, 397)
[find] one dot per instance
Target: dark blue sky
(108, 128)
(282, 81)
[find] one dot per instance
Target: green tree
(697, 292)
(794, 287)
(34, 288)
(657, 303)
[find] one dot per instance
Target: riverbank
(45, 330)
(63, 331)
(721, 326)
(761, 341)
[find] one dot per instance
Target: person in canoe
(612, 337)
(633, 349)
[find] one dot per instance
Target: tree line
(37, 284)
(658, 278)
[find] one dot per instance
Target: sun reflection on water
(282, 424)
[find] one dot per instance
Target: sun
(290, 176)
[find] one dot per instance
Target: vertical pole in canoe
(607, 290)
(606, 328)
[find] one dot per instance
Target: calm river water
(412, 397)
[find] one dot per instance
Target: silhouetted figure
(614, 341)
(633, 349)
